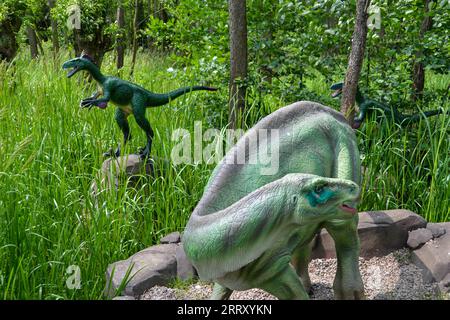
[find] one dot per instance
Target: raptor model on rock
(249, 226)
(129, 98)
(367, 106)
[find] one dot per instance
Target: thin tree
(32, 39)
(238, 61)
(355, 60)
(54, 25)
(135, 31)
(418, 66)
(155, 8)
(120, 38)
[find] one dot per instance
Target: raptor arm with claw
(92, 101)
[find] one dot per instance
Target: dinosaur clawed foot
(144, 153)
(86, 103)
(112, 153)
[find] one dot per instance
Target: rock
(185, 269)
(380, 233)
(131, 167)
(434, 256)
(173, 237)
(436, 229)
(124, 298)
(418, 237)
(156, 265)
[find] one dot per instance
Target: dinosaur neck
(95, 73)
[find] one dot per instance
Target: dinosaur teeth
(72, 72)
(336, 93)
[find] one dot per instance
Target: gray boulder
(173, 237)
(185, 269)
(380, 233)
(156, 265)
(434, 256)
(128, 167)
(418, 237)
(436, 229)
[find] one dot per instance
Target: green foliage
(10, 8)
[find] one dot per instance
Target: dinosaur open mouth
(345, 207)
(72, 72)
(336, 93)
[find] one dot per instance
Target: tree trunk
(418, 66)
(155, 8)
(32, 39)
(238, 61)
(355, 60)
(135, 26)
(54, 25)
(120, 38)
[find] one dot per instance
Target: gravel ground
(391, 277)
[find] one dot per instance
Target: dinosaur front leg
(301, 256)
(101, 103)
(143, 123)
(347, 284)
(122, 121)
(286, 285)
(94, 96)
(220, 292)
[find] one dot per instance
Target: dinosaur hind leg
(144, 125)
(122, 122)
(286, 285)
(220, 292)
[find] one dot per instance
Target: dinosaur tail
(417, 116)
(155, 99)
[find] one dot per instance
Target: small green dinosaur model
(129, 98)
(248, 226)
(367, 106)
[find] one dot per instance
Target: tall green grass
(51, 150)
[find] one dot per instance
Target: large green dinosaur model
(367, 106)
(248, 225)
(129, 98)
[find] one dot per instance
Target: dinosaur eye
(319, 189)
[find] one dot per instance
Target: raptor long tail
(417, 116)
(159, 99)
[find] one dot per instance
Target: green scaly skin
(367, 106)
(248, 226)
(129, 98)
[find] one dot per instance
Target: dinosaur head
(337, 87)
(83, 62)
(319, 198)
